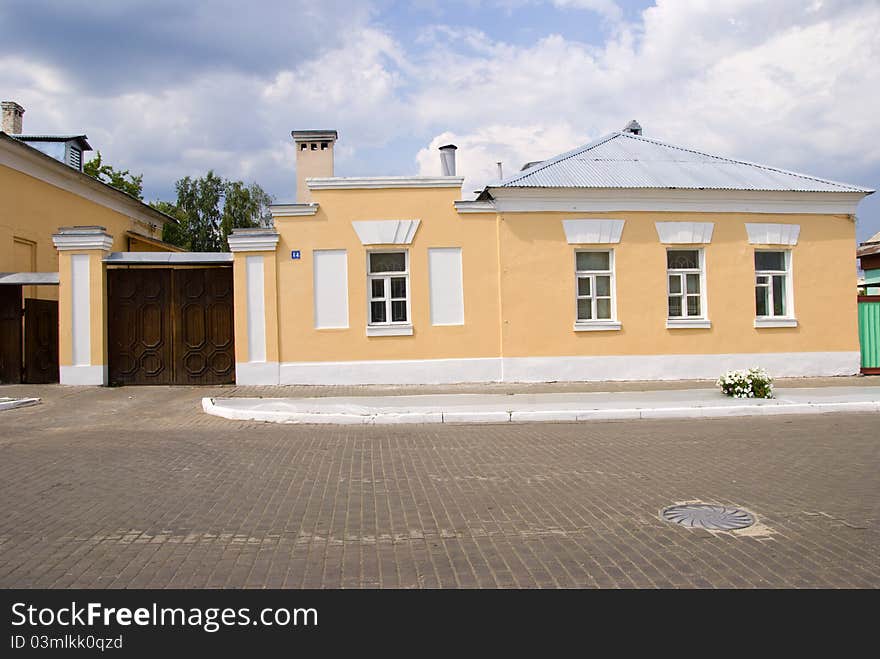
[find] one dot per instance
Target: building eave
(383, 182)
(26, 159)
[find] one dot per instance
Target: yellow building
(626, 258)
(42, 187)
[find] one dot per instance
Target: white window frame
(594, 323)
(685, 321)
(389, 327)
(787, 319)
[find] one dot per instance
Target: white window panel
(595, 299)
(330, 286)
(445, 281)
(686, 288)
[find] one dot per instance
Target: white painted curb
(758, 408)
(12, 403)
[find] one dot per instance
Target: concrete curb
(216, 407)
(12, 403)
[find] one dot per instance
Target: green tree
(121, 179)
(209, 208)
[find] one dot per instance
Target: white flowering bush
(747, 383)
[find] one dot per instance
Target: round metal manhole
(706, 516)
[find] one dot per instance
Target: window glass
(378, 286)
(398, 287)
(681, 259)
(584, 310)
(674, 307)
(603, 285)
(387, 262)
(693, 305)
(770, 261)
(779, 295)
(377, 312)
(603, 308)
(674, 283)
(593, 261)
(584, 286)
(693, 283)
(398, 310)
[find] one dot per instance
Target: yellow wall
(331, 228)
(526, 307)
(32, 210)
(538, 288)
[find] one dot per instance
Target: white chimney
(314, 158)
(633, 127)
(12, 115)
(447, 159)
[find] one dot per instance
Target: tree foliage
(209, 208)
(121, 179)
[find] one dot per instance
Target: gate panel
(10, 334)
(40, 341)
(139, 326)
(204, 349)
(869, 333)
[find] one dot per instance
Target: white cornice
(684, 233)
(293, 210)
(72, 239)
(592, 231)
(475, 206)
(371, 182)
(386, 232)
(264, 240)
(599, 200)
(27, 160)
(773, 234)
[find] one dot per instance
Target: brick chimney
(12, 114)
(314, 159)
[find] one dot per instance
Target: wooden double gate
(28, 353)
(170, 326)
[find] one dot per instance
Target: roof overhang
(23, 158)
(380, 182)
(168, 258)
(29, 279)
(293, 210)
(513, 200)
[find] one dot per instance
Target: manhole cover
(705, 516)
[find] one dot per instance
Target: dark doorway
(170, 326)
(10, 334)
(40, 341)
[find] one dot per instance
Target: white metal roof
(625, 160)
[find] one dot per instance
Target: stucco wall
(33, 210)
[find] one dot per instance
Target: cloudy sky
(169, 88)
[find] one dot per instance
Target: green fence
(869, 333)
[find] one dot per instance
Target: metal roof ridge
(852, 188)
(556, 159)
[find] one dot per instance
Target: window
(594, 272)
(388, 288)
(685, 288)
(772, 286)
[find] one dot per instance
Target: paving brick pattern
(136, 487)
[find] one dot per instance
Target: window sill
(775, 322)
(596, 326)
(389, 330)
(688, 323)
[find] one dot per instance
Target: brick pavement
(135, 487)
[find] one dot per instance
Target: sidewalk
(522, 407)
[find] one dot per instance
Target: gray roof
(625, 160)
(82, 139)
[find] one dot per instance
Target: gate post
(82, 304)
(255, 301)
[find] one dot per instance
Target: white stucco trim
(597, 325)
(83, 375)
(685, 233)
(256, 373)
(257, 241)
(688, 323)
(592, 231)
(389, 330)
(568, 368)
(370, 182)
(293, 210)
(467, 206)
(80, 310)
(776, 322)
(773, 234)
(256, 309)
(386, 232)
(601, 200)
(69, 240)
